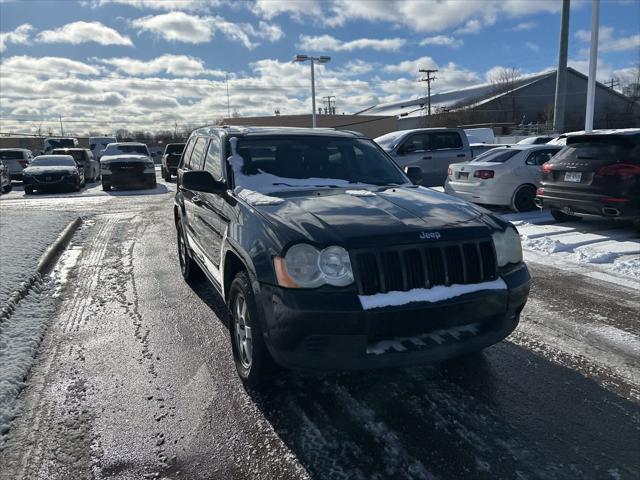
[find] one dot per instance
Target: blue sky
(106, 64)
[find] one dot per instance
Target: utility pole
(612, 82)
(61, 129)
(561, 73)
(428, 79)
(593, 66)
(327, 101)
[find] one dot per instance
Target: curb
(46, 262)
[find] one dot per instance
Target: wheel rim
(242, 330)
(182, 252)
(524, 200)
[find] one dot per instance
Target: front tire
(524, 199)
(28, 190)
(7, 188)
(560, 216)
(106, 187)
(188, 267)
(166, 174)
(250, 354)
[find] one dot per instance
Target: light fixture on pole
(313, 60)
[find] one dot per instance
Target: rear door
(532, 172)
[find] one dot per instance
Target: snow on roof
(476, 95)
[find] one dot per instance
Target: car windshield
(140, 149)
(496, 155)
(59, 142)
(76, 154)
(601, 148)
(176, 148)
(11, 155)
(53, 161)
(389, 140)
(277, 163)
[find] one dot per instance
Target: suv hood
(354, 218)
(124, 157)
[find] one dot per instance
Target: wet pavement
(135, 380)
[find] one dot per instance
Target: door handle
(461, 155)
(196, 200)
(426, 158)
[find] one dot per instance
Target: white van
(97, 144)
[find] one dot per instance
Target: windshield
(53, 161)
(496, 155)
(175, 148)
(389, 140)
(59, 143)
(11, 155)
(76, 154)
(603, 148)
(117, 149)
(269, 164)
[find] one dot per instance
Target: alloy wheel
(242, 329)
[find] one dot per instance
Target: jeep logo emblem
(430, 236)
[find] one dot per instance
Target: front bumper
(585, 205)
(128, 179)
(63, 184)
(331, 331)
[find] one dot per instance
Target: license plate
(463, 175)
(572, 176)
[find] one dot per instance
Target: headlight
(305, 267)
(508, 247)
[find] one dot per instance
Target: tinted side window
(540, 157)
(445, 140)
(420, 141)
(212, 162)
(184, 162)
(197, 156)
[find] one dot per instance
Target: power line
(428, 79)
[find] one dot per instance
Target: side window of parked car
(540, 157)
(186, 155)
(197, 156)
(212, 162)
(416, 143)
(445, 141)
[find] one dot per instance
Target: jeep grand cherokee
(329, 258)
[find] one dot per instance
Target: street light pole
(320, 59)
(593, 64)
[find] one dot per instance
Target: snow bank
(439, 336)
(433, 294)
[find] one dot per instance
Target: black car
(171, 159)
(329, 258)
(53, 172)
(594, 175)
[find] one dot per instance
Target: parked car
(328, 257)
(5, 179)
(431, 149)
(478, 149)
(85, 158)
(171, 159)
(98, 144)
(16, 160)
(595, 174)
(57, 142)
(127, 164)
(53, 172)
(536, 140)
(507, 176)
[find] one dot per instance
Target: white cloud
(357, 67)
(412, 66)
(442, 40)
(523, 26)
(176, 65)
(18, 36)
(272, 8)
(532, 46)
(471, 26)
(268, 31)
(329, 43)
(47, 65)
(83, 32)
(607, 41)
(177, 27)
(154, 101)
(159, 4)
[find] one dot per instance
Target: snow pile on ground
(257, 198)
(433, 294)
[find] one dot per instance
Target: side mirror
(202, 181)
(414, 174)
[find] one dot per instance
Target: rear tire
(106, 187)
(560, 216)
(7, 188)
(166, 174)
(524, 199)
(250, 354)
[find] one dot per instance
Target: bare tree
(504, 81)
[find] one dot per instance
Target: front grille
(126, 167)
(49, 177)
(403, 268)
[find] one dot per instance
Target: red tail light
(24, 163)
(540, 192)
(483, 174)
(546, 168)
(614, 200)
(620, 170)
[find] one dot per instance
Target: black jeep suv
(328, 257)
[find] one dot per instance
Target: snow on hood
(360, 193)
(257, 198)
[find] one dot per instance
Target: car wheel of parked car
(7, 189)
(249, 351)
(28, 190)
(106, 187)
(560, 216)
(188, 267)
(166, 174)
(523, 199)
